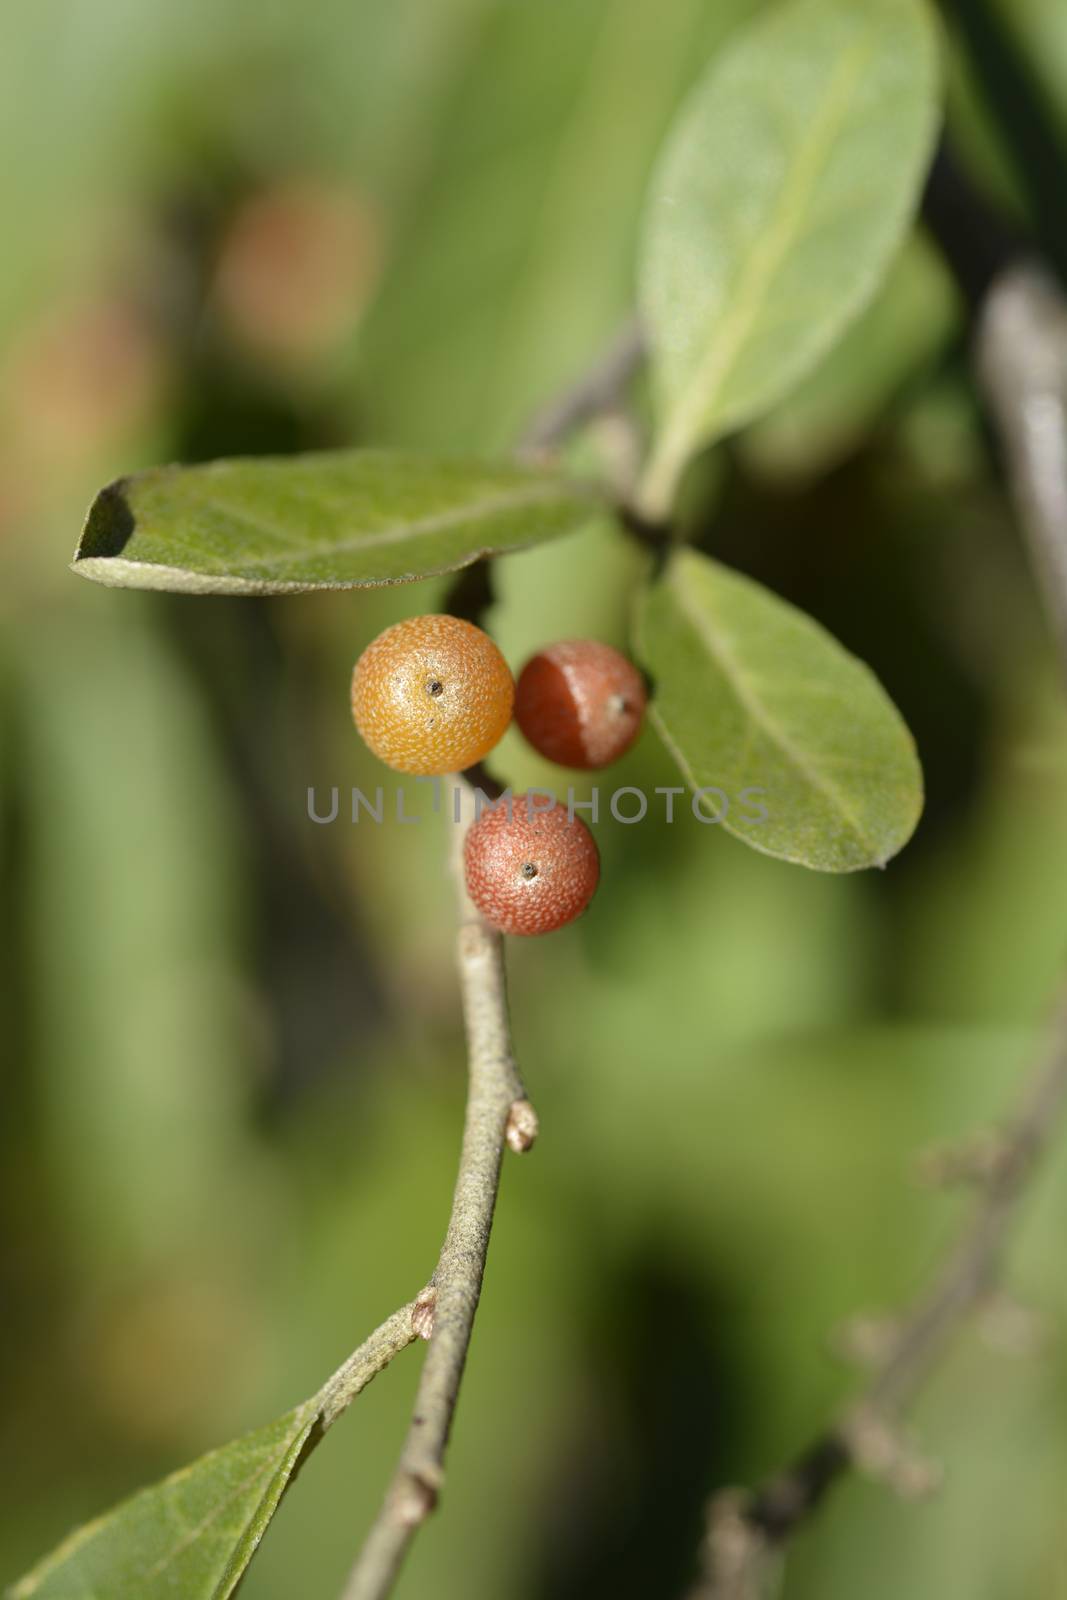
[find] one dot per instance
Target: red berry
(532, 871)
(580, 703)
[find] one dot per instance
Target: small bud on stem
(522, 1127)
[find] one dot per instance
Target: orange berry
(580, 703)
(530, 871)
(432, 694)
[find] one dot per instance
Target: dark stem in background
(1020, 353)
(976, 241)
(1021, 357)
(595, 392)
(1025, 120)
(598, 392)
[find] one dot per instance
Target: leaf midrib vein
(397, 533)
(765, 259)
(265, 1470)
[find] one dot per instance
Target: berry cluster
(434, 695)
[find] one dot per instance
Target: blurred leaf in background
(519, 262)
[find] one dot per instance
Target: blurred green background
(232, 1061)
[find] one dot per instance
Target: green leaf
(192, 1535)
(337, 520)
(752, 694)
(784, 188)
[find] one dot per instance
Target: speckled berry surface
(533, 871)
(580, 703)
(432, 694)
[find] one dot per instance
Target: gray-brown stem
(747, 1530)
(494, 1088)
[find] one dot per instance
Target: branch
(746, 1531)
(598, 390)
(498, 1113)
(1020, 353)
(1021, 356)
(372, 1357)
(596, 394)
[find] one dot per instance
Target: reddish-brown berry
(533, 870)
(580, 703)
(432, 694)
